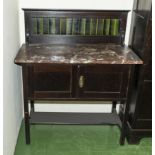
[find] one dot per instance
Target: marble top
(77, 54)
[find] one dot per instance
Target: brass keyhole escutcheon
(81, 81)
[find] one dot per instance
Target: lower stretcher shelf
(74, 118)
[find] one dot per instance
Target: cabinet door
(103, 81)
(52, 81)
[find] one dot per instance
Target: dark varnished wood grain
(62, 81)
(50, 39)
(104, 81)
(54, 64)
(140, 118)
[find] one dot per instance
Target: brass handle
(81, 81)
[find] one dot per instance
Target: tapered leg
(27, 124)
(124, 124)
(26, 108)
(114, 106)
(126, 106)
(32, 105)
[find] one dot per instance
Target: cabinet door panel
(104, 81)
(52, 81)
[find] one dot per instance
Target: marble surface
(77, 54)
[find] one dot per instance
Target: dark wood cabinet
(79, 81)
(76, 60)
(140, 113)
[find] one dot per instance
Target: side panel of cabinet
(104, 81)
(148, 71)
(146, 101)
(143, 113)
(143, 105)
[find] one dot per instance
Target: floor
(78, 140)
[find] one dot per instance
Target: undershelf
(75, 118)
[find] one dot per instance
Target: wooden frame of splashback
(70, 39)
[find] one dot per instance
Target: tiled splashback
(75, 26)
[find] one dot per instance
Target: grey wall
(12, 98)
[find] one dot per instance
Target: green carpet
(78, 140)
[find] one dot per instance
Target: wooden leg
(114, 106)
(126, 107)
(32, 105)
(121, 110)
(26, 107)
(27, 124)
(124, 124)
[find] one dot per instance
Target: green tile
(40, 25)
(68, 26)
(107, 26)
(78, 140)
(93, 25)
(100, 27)
(83, 26)
(114, 27)
(34, 24)
(52, 29)
(62, 26)
(46, 25)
